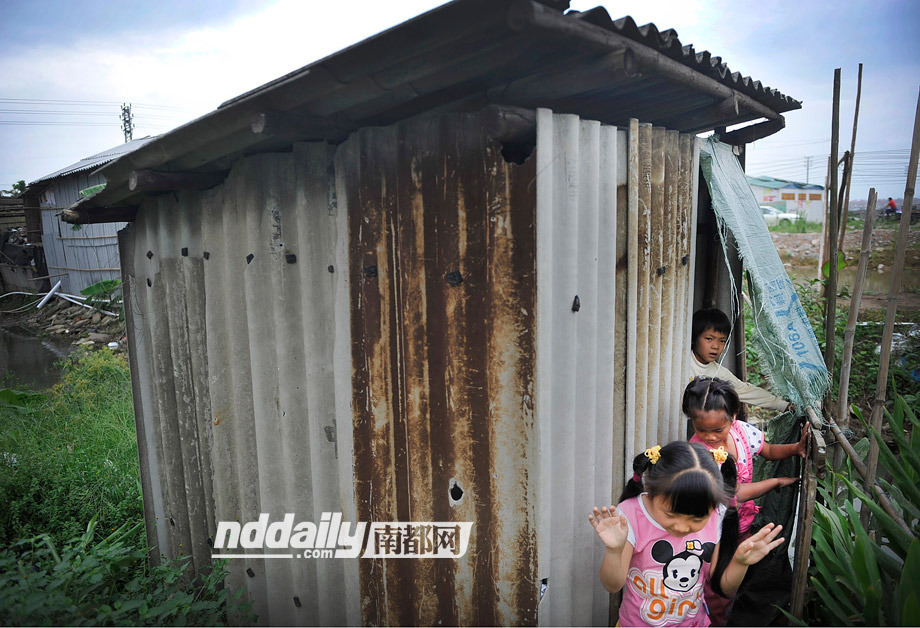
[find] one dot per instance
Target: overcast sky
(67, 67)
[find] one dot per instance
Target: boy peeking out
(710, 334)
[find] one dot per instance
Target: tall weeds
(72, 546)
(70, 454)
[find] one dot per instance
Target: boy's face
(709, 346)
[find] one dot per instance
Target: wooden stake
(830, 292)
(846, 202)
(881, 385)
(843, 415)
(822, 255)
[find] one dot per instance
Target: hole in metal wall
(517, 152)
(455, 494)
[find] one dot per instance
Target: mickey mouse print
(672, 590)
(667, 574)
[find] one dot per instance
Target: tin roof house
(443, 275)
(76, 256)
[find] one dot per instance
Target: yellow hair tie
(720, 455)
(653, 453)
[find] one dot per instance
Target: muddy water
(27, 360)
(876, 282)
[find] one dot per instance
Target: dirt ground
(803, 249)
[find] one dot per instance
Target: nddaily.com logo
(334, 538)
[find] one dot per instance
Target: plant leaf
(900, 538)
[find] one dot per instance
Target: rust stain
(443, 370)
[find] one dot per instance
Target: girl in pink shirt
(674, 522)
(714, 409)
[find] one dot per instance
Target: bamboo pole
(822, 254)
(830, 291)
(846, 202)
(903, 229)
(843, 414)
(842, 193)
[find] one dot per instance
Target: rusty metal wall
(614, 227)
(443, 297)
(238, 321)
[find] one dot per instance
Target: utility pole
(807, 169)
(127, 122)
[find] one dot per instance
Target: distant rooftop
(772, 182)
(94, 161)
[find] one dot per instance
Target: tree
(17, 190)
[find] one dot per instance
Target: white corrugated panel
(81, 256)
(663, 175)
(243, 372)
(576, 257)
(608, 386)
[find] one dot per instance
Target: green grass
(72, 546)
(799, 226)
(70, 454)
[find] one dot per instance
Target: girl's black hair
(712, 318)
(687, 477)
(705, 394)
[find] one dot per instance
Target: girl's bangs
(691, 493)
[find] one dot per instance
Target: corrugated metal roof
(772, 182)
(94, 161)
(463, 56)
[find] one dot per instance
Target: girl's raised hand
(610, 526)
(754, 548)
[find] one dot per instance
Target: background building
(76, 255)
(804, 199)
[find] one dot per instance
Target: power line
(36, 101)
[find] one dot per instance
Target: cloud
(191, 70)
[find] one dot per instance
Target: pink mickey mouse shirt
(664, 584)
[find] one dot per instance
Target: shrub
(870, 577)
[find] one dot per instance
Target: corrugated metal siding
(616, 367)
(242, 371)
(80, 255)
(576, 258)
(443, 303)
(662, 192)
(391, 333)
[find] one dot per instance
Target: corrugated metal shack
(445, 274)
(76, 256)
